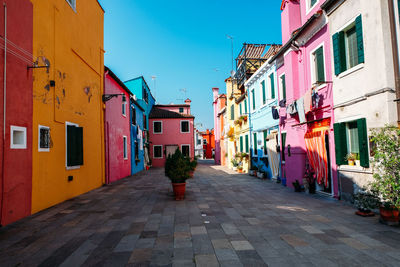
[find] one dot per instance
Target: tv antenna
(154, 85)
(231, 38)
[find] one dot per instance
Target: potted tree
(365, 201)
(240, 168)
(386, 163)
(177, 170)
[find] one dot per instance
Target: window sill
(350, 71)
(349, 168)
(72, 167)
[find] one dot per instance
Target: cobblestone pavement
(226, 219)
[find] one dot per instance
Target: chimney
(215, 91)
(187, 102)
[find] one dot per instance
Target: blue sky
(184, 44)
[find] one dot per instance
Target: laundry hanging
(273, 155)
(307, 101)
(300, 109)
(317, 155)
(291, 108)
(275, 113)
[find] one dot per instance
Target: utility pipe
(4, 111)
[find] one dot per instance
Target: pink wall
(171, 135)
(116, 126)
(186, 108)
(217, 125)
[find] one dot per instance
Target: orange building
(208, 144)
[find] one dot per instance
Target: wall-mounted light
(107, 97)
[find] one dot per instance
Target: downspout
(395, 56)
(4, 111)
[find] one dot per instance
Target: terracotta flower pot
(191, 173)
(179, 190)
(147, 168)
(389, 215)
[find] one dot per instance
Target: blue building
(264, 125)
(145, 100)
(137, 136)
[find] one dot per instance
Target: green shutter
(265, 142)
(340, 143)
(240, 108)
(245, 106)
(254, 99)
(247, 143)
(363, 142)
(255, 143)
(283, 79)
(283, 140)
(271, 77)
(319, 56)
(263, 91)
(241, 144)
(339, 52)
(232, 112)
(360, 42)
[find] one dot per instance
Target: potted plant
(365, 201)
(244, 118)
(234, 164)
(244, 156)
(177, 170)
(192, 164)
(309, 181)
(253, 170)
(240, 168)
(351, 157)
(297, 186)
(238, 122)
(357, 160)
(386, 163)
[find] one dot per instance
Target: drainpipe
(5, 109)
(395, 56)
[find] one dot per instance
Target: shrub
(177, 167)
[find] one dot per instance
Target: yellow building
(242, 132)
(68, 142)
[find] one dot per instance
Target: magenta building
(304, 70)
(117, 127)
(170, 127)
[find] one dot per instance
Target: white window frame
(188, 126)
(309, 7)
(124, 109)
(154, 154)
(39, 148)
(125, 144)
(186, 145)
(312, 65)
(72, 4)
(19, 129)
(66, 146)
(281, 86)
(161, 127)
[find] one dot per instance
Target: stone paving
(225, 220)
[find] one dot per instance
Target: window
(157, 127)
(255, 144)
(125, 141)
(74, 139)
(253, 96)
(245, 106)
(145, 94)
(312, 3)
(352, 137)
(72, 3)
(264, 98)
(181, 110)
(247, 143)
(198, 142)
(204, 141)
(144, 121)
(348, 47)
(265, 134)
(232, 112)
(133, 111)
(136, 152)
(124, 108)
(272, 83)
(318, 65)
(241, 144)
(18, 137)
(185, 150)
(283, 87)
(157, 152)
(185, 127)
(44, 138)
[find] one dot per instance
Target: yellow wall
(72, 42)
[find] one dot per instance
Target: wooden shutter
(263, 91)
(241, 144)
(283, 140)
(363, 142)
(340, 143)
(240, 108)
(283, 79)
(360, 41)
(319, 57)
(247, 143)
(232, 112)
(265, 142)
(339, 52)
(255, 143)
(271, 77)
(245, 105)
(254, 99)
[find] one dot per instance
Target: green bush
(177, 167)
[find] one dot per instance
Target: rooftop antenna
(184, 90)
(154, 85)
(231, 38)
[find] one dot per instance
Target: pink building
(170, 127)
(305, 94)
(219, 103)
(117, 127)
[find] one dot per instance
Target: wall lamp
(109, 96)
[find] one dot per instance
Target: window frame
(181, 126)
(67, 123)
(313, 72)
(14, 128)
(188, 145)
(39, 148)
(124, 109)
(281, 87)
(351, 26)
(125, 146)
(154, 132)
(310, 7)
(154, 153)
(269, 95)
(72, 4)
(183, 110)
(133, 112)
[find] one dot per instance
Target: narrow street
(226, 219)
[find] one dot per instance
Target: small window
(133, 111)
(240, 108)
(44, 138)
(72, 3)
(185, 127)
(311, 3)
(198, 142)
(145, 94)
(157, 127)
(351, 47)
(232, 112)
(18, 137)
(124, 108)
(125, 140)
(157, 152)
(246, 139)
(255, 152)
(181, 110)
(318, 67)
(186, 150)
(74, 145)
(245, 106)
(136, 151)
(204, 141)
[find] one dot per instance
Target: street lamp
(107, 97)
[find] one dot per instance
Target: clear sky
(183, 43)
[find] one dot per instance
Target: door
(170, 149)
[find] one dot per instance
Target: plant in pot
(253, 170)
(309, 178)
(386, 163)
(351, 159)
(297, 186)
(177, 170)
(365, 201)
(240, 168)
(192, 164)
(244, 156)
(234, 164)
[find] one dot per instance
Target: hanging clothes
(291, 108)
(317, 155)
(300, 110)
(282, 103)
(140, 138)
(307, 101)
(273, 155)
(146, 156)
(275, 113)
(315, 99)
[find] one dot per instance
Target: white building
(198, 145)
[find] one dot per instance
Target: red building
(208, 144)
(171, 127)
(16, 33)
(117, 127)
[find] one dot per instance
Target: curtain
(273, 156)
(316, 152)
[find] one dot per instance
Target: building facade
(139, 159)
(219, 103)
(198, 144)
(208, 144)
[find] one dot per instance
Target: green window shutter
(247, 143)
(240, 108)
(254, 99)
(319, 56)
(363, 142)
(360, 41)
(340, 143)
(283, 79)
(241, 144)
(232, 112)
(265, 142)
(271, 77)
(339, 52)
(245, 106)
(263, 91)
(255, 143)
(283, 140)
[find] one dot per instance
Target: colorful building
(198, 144)
(264, 117)
(68, 123)
(171, 127)
(365, 45)
(138, 146)
(222, 117)
(304, 77)
(229, 127)
(15, 110)
(219, 103)
(117, 128)
(208, 144)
